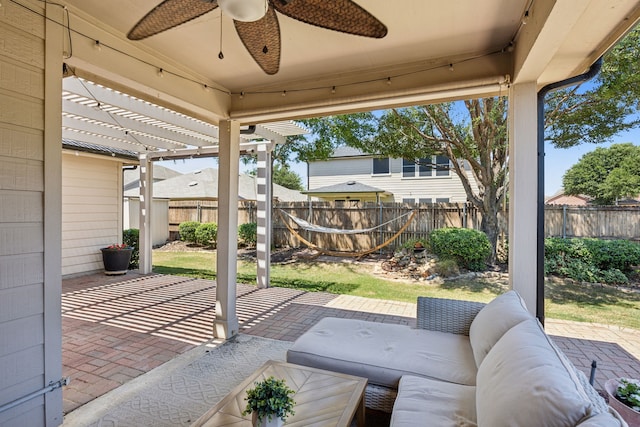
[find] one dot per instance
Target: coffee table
(323, 398)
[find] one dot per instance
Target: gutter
(588, 75)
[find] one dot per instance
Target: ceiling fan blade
(339, 15)
(169, 14)
(262, 40)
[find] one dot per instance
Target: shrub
(248, 233)
(446, 268)
(207, 234)
(131, 238)
(470, 248)
(187, 231)
(411, 243)
(591, 260)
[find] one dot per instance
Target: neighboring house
(350, 192)
(560, 198)
(203, 185)
(565, 199)
(396, 180)
(160, 173)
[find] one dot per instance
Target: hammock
(305, 225)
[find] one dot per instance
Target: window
(442, 200)
(381, 166)
(424, 200)
(409, 201)
(442, 166)
(419, 167)
(408, 168)
(426, 166)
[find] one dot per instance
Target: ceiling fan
(256, 21)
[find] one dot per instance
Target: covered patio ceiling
(433, 51)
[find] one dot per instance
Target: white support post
(265, 200)
(226, 323)
(146, 196)
(523, 177)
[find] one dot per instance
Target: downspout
(591, 73)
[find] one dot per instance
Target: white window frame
(421, 171)
(373, 169)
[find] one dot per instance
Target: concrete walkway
(117, 328)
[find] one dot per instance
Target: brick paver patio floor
(116, 328)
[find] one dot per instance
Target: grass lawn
(564, 299)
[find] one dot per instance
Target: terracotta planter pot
(116, 261)
(629, 415)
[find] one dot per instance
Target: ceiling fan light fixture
(244, 10)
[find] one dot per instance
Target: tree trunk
(489, 224)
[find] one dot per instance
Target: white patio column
(146, 196)
(226, 323)
(523, 176)
(265, 200)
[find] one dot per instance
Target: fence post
(198, 212)
(564, 221)
(464, 215)
(380, 216)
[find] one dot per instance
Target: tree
(284, 176)
(606, 174)
(474, 132)
(281, 175)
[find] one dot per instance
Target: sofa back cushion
(523, 382)
(496, 318)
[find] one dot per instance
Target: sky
(557, 161)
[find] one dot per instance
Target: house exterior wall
(30, 330)
(416, 189)
(91, 210)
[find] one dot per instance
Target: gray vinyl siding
(22, 213)
(91, 211)
(341, 170)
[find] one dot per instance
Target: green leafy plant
(591, 260)
(270, 398)
(187, 231)
(628, 392)
(131, 238)
(207, 234)
(415, 243)
(470, 248)
(248, 233)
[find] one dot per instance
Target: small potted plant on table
(624, 397)
(116, 258)
(269, 402)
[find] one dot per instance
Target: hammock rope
(320, 229)
(347, 254)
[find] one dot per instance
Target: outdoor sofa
(465, 364)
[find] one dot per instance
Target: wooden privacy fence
(560, 221)
(605, 222)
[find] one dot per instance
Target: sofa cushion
(604, 419)
(384, 352)
(523, 382)
(496, 318)
(423, 401)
